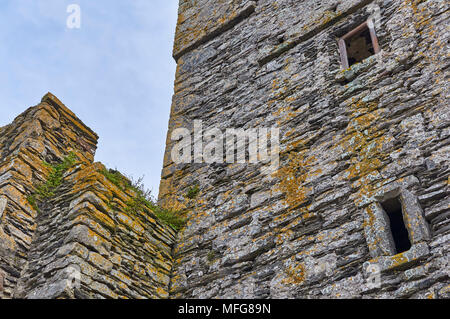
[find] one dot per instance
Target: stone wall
(82, 242)
(350, 139)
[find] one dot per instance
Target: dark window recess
(393, 209)
(358, 44)
(2, 279)
(359, 47)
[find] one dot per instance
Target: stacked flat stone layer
(349, 138)
(82, 242)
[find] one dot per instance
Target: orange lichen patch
(292, 178)
(22, 169)
(93, 225)
(169, 193)
(364, 144)
(90, 179)
(363, 122)
(176, 281)
(172, 203)
(14, 195)
(287, 113)
(47, 117)
(370, 221)
(19, 235)
(161, 277)
(194, 28)
(399, 260)
(51, 110)
(86, 172)
(162, 293)
(7, 242)
(91, 234)
(103, 290)
(322, 19)
(296, 274)
(31, 160)
(69, 115)
(133, 224)
(28, 130)
(430, 295)
(368, 224)
(422, 24)
(123, 278)
(445, 291)
(362, 167)
(100, 261)
(284, 235)
(149, 248)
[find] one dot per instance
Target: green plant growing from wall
(211, 256)
(143, 199)
(32, 201)
(47, 189)
(193, 191)
(117, 178)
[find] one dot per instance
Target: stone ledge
(400, 261)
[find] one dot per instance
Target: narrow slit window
(400, 235)
(358, 44)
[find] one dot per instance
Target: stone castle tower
(360, 204)
(353, 201)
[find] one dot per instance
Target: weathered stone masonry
(351, 140)
(358, 146)
(82, 242)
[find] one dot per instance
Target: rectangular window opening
(393, 209)
(358, 44)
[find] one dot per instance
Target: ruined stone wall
(350, 139)
(82, 242)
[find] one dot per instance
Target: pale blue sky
(116, 72)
